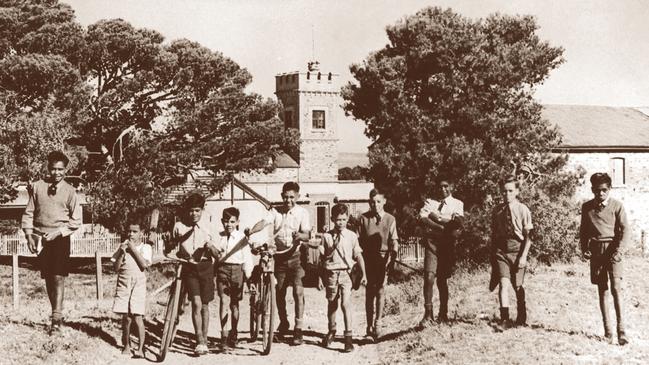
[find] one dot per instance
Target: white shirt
(129, 265)
(450, 206)
(201, 233)
(242, 256)
(285, 223)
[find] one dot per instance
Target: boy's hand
(247, 232)
(587, 254)
(31, 244)
(522, 262)
(52, 235)
(435, 216)
(364, 280)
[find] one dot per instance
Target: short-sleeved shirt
(286, 222)
(192, 245)
(129, 265)
(521, 220)
(605, 221)
(240, 257)
(447, 207)
(348, 247)
(377, 233)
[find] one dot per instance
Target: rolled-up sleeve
(425, 210)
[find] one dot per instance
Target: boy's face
(601, 192)
(290, 197)
(195, 214)
(510, 192)
(57, 171)
(377, 203)
(444, 189)
(230, 224)
(134, 232)
(340, 221)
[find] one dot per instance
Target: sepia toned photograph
(324, 182)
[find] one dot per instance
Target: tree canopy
(454, 96)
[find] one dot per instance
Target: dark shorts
(605, 262)
(375, 268)
(289, 272)
(199, 280)
(54, 258)
(441, 259)
(506, 267)
(229, 281)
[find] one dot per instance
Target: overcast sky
(606, 47)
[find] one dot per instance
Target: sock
(504, 313)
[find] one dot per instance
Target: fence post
(100, 286)
(643, 242)
(14, 274)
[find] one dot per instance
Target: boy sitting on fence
(131, 262)
(340, 248)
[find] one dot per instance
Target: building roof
(588, 128)
(283, 160)
(23, 197)
(342, 190)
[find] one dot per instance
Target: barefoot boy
(511, 226)
(340, 249)
(54, 213)
(442, 221)
(197, 239)
(130, 294)
(291, 225)
(230, 274)
(603, 230)
(377, 235)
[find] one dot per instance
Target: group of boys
(53, 214)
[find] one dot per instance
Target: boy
(291, 225)
(197, 241)
(377, 234)
(442, 221)
(54, 213)
(339, 249)
(604, 229)
(230, 273)
(130, 294)
(510, 231)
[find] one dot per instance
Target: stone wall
(318, 160)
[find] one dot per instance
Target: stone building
(613, 140)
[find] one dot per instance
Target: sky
(606, 53)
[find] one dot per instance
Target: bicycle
(262, 296)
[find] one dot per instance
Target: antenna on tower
(313, 65)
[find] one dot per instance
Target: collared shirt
(243, 256)
(129, 265)
(193, 238)
(47, 213)
(607, 222)
(521, 219)
(378, 234)
(286, 222)
(446, 208)
(348, 247)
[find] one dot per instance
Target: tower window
(618, 173)
(318, 119)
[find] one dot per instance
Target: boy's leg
(298, 297)
(139, 322)
(616, 292)
(370, 299)
(380, 306)
(280, 291)
(430, 269)
(126, 334)
(503, 297)
(197, 318)
(602, 290)
(205, 321)
(442, 287)
(50, 287)
(521, 307)
(346, 294)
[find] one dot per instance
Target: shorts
(440, 260)
(289, 272)
(375, 268)
(337, 282)
(130, 294)
(506, 267)
(199, 280)
(54, 258)
(229, 281)
(605, 262)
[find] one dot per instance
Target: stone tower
(312, 104)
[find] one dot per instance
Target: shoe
(442, 318)
(126, 350)
(349, 346)
(297, 337)
(369, 333)
(232, 339)
(55, 329)
(328, 339)
(377, 333)
(201, 349)
(283, 328)
(225, 341)
(621, 338)
(504, 325)
(140, 354)
(425, 322)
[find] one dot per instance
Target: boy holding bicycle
(132, 260)
(340, 248)
(196, 238)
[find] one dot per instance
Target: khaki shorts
(605, 262)
(336, 283)
(506, 266)
(130, 295)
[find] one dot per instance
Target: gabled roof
(283, 160)
(591, 128)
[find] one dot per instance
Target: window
(318, 119)
(618, 173)
(288, 119)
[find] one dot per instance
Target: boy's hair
(230, 212)
(291, 186)
(599, 178)
(56, 156)
(339, 209)
(374, 192)
(510, 179)
(443, 177)
(194, 200)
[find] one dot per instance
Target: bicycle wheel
(267, 313)
(254, 324)
(171, 320)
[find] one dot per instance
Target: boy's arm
(359, 258)
(74, 221)
(527, 242)
(583, 232)
(265, 222)
(622, 229)
(393, 245)
(141, 262)
(27, 222)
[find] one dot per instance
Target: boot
(521, 309)
(428, 317)
(349, 346)
(297, 337)
(328, 338)
(225, 343)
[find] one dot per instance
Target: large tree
(454, 95)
